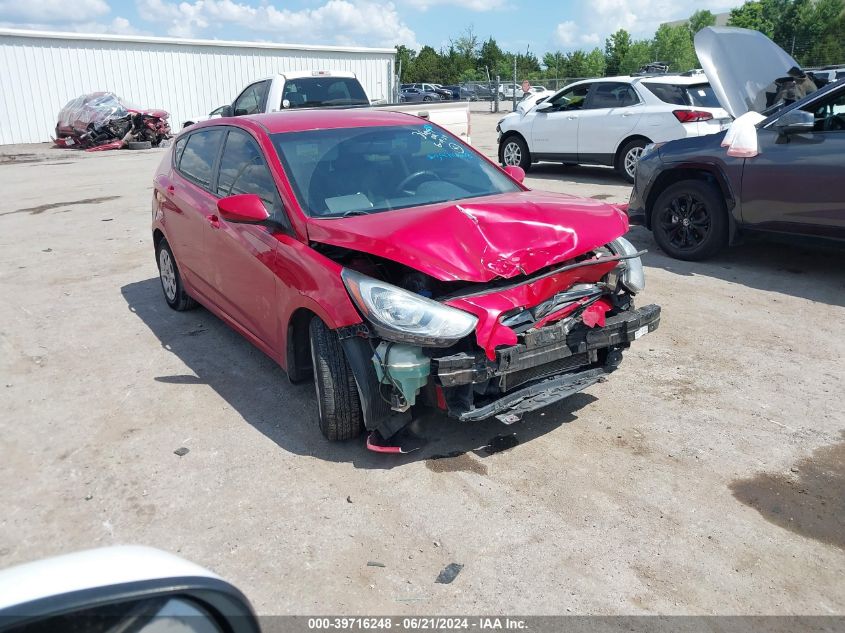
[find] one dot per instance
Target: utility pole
(514, 82)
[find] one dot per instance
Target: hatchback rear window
(700, 95)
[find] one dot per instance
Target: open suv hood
(742, 66)
(479, 239)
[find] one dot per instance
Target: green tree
(404, 61)
(639, 54)
(426, 66)
(673, 45)
(594, 63)
(701, 19)
(490, 57)
(615, 48)
(555, 64)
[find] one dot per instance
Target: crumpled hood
(479, 239)
(741, 65)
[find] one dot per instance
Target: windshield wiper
(352, 212)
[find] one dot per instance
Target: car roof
(663, 78)
(328, 118)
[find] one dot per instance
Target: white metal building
(41, 71)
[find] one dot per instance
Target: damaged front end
(497, 349)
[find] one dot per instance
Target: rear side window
(244, 170)
(178, 149)
(700, 95)
(311, 92)
(612, 95)
(197, 159)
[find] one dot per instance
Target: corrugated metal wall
(39, 74)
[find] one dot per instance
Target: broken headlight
(405, 317)
(633, 276)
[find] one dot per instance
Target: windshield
(311, 92)
(700, 95)
(353, 171)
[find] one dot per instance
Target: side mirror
(795, 122)
(240, 112)
(544, 107)
(515, 172)
(245, 207)
(121, 588)
(227, 111)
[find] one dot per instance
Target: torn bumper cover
(547, 365)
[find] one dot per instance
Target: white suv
(609, 121)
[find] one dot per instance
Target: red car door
(243, 256)
(189, 204)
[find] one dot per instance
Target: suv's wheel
(338, 403)
(629, 155)
(514, 151)
(689, 220)
(171, 280)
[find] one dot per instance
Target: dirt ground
(706, 476)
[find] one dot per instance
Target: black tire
(514, 151)
(171, 280)
(689, 220)
(338, 403)
(630, 151)
(426, 98)
(139, 145)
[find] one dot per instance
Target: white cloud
(642, 17)
(472, 5)
(118, 26)
(569, 35)
(343, 22)
(49, 11)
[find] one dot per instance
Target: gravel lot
(707, 475)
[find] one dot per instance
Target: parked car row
(666, 133)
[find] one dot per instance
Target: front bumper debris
(544, 347)
(548, 365)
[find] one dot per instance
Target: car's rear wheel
(338, 402)
(171, 280)
(689, 220)
(629, 156)
(426, 98)
(514, 151)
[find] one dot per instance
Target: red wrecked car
(396, 265)
(102, 120)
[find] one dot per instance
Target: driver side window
(571, 99)
(830, 113)
(251, 100)
(244, 170)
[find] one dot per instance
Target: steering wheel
(834, 123)
(417, 175)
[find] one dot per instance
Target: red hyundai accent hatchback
(395, 265)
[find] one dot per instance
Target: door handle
(571, 118)
(214, 221)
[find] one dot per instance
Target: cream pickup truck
(329, 88)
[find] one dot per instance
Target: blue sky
(516, 24)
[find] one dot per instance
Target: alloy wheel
(685, 222)
(512, 154)
(631, 160)
(167, 272)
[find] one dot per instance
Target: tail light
(692, 116)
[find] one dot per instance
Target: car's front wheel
(171, 280)
(338, 403)
(689, 220)
(514, 151)
(629, 156)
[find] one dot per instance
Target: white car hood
(742, 65)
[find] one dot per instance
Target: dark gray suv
(696, 198)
